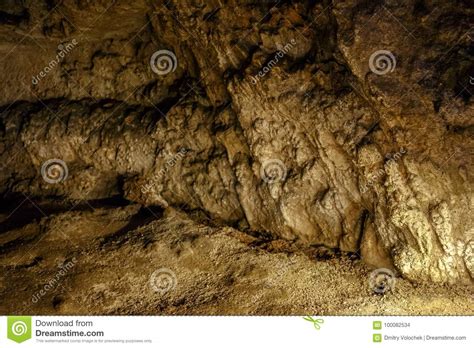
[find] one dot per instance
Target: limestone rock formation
(343, 124)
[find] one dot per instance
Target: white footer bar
(225, 331)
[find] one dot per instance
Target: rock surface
(343, 124)
(115, 266)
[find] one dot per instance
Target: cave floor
(107, 260)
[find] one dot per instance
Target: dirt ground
(133, 260)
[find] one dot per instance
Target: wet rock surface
(342, 125)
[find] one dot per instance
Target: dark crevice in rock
(30, 238)
(14, 19)
(21, 211)
(143, 217)
(363, 221)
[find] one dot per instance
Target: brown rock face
(344, 124)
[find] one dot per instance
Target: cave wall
(273, 116)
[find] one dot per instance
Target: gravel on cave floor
(100, 262)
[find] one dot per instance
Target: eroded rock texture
(276, 117)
